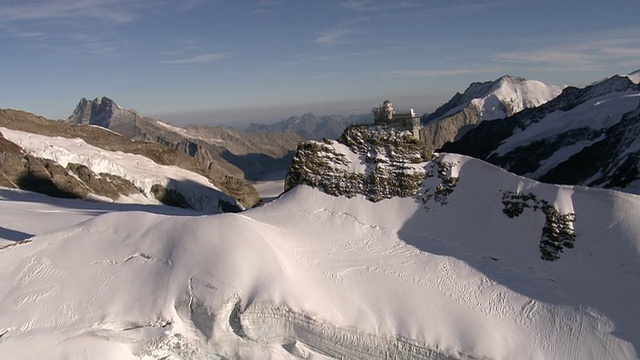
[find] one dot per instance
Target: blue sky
(236, 61)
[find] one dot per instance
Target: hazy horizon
(210, 61)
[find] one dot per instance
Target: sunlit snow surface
(314, 276)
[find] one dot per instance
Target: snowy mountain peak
(489, 100)
(511, 79)
(635, 76)
(584, 136)
(497, 99)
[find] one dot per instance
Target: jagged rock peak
(96, 112)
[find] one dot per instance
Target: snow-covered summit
(510, 95)
(497, 99)
(576, 138)
(483, 101)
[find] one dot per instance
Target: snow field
(311, 274)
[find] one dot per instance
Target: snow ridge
(504, 96)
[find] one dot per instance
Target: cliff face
(437, 133)
(376, 162)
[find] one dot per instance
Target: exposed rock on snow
(21, 170)
(107, 140)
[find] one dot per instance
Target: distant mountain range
(482, 101)
(312, 127)
(587, 136)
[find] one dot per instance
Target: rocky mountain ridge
(584, 136)
(483, 101)
(22, 170)
(219, 149)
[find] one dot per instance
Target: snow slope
(597, 113)
(315, 276)
(518, 93)
(143, 172)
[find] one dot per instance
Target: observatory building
(385, 115)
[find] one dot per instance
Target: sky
(232, 62)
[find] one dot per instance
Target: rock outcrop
(23, 171)
(382, 163)
(376, 162)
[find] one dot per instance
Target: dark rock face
(609, 159)
(557, 232)
(103, 184)
(437, 133)
(391, 164)
(615, 157)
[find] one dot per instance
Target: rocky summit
(374, 161)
